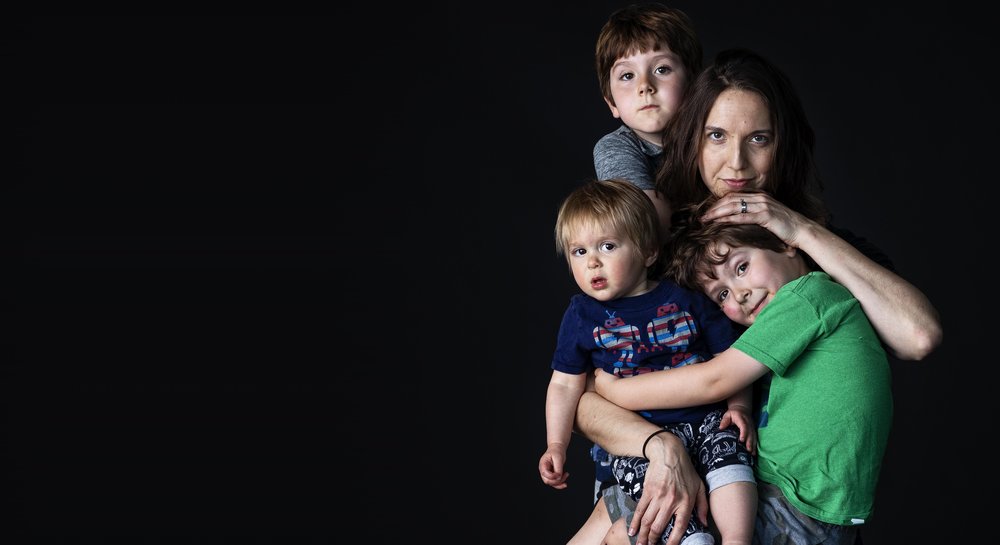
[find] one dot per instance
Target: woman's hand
(761, 209)
(672, 488)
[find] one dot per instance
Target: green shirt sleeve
(791, 322)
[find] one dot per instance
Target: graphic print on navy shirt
(672, 329)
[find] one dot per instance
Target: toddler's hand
(551, 468)
(603, 381)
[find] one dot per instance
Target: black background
(266, 264)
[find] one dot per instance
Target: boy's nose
(645, 86)
(742, 294)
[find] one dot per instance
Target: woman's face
(737, 146)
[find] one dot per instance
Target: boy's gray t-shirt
(622, 154)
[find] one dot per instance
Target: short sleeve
(616, 156)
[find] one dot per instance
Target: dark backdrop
(895, 96)
(266, 264)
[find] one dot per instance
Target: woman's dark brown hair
(793, 179)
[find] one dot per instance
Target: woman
(742, 126)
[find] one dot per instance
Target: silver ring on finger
(743, 206)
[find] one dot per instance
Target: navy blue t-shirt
(667, 327)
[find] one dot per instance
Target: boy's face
(749, 278)
(647, 89)
(605, 265)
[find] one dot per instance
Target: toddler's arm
(560, 410)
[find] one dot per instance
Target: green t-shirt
(826, 418)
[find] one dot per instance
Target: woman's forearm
(619, 431)
(902, 315)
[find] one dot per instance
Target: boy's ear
(652, 257)
(614, 111)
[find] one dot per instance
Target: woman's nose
(736, 156)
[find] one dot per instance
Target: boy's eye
(723, 294)
(741, 268)
(578, 252)
(608, 246)
(662, 70)
(626, 76)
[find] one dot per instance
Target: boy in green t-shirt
(826, 411)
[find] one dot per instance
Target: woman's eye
(760, 139)
(715, 136)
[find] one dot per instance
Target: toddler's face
(605, 264)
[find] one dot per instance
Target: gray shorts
(779, 523)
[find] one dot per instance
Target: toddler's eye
(723, 294)
(741, 268)
(578, 252)
(608, 246)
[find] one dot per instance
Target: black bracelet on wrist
(652, 435)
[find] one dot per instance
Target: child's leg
(733, 507)
(618, 534)
(732, 489)
(595, 529)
